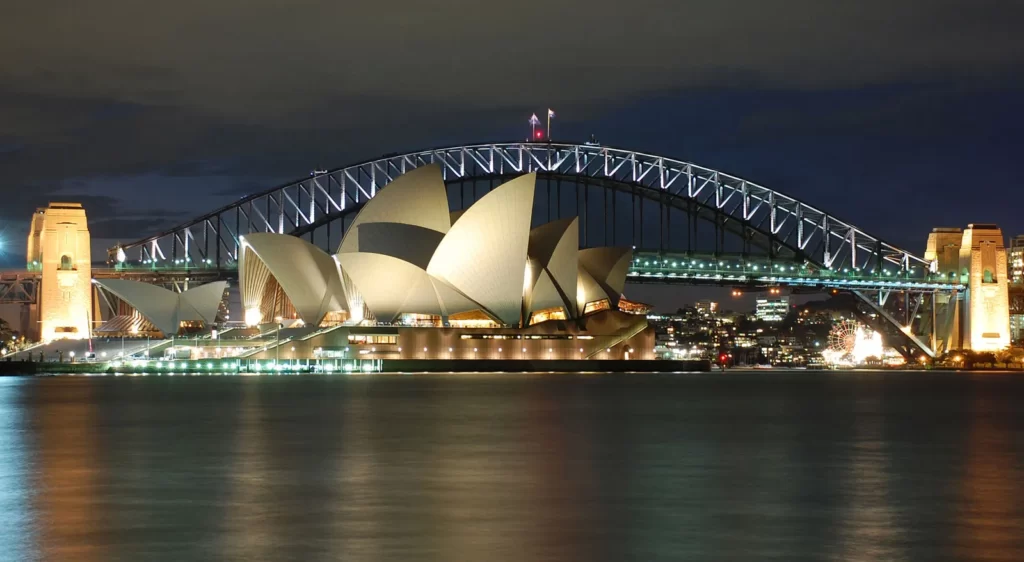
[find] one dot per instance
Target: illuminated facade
(983, 269)
(59, 248)
(943, 251)
(1016, 259)
(608, 334)
(706, 308)
(285, 277)
(1015, 264)
(979, 319)
(943, 255)
(407, 261)
(771, 310)
(404, 260)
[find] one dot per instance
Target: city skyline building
(1015, 259)
(706, 307)
(1015, 264)
(769, 309)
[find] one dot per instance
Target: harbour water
(705, 466)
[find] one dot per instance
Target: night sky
(895, 116)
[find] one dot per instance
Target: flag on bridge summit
(534, 120)
(551, 113)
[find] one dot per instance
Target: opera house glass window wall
(411, 279)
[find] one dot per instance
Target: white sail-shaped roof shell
(201, 303)
(484, 253)
(607, 267)
(390, 287)
(544, 295)
(588, 290)
(407, 242)
(307, 275)
(417, 197)
(167, 309)
(553, 266)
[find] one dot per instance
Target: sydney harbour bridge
(688, 224)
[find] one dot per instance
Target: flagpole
(549, 125)
(534, 121)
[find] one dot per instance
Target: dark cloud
(129, 228)
(259, 59)
(150, 113)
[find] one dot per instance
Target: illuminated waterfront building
(142, 309)
(1015, 258)
(771, 309)
(59, 248)
(440, 285)
(983, 269)
(976, 257)
(1015, 255)
(706, 308)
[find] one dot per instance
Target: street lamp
(277, 344)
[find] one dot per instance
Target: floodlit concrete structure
(416, 198)
(943, 251)
(943, 255)
(979, 318)
(608, 334)
(406, 261)
(164, 309)
(484, 253)
(552, 272)
(984, 271)
(286, 277)
(59, 247)
(390, 287)
(602, 277)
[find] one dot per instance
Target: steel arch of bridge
(846, 257)
(819, 237)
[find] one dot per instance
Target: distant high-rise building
(1015, 259)
(706, 307)
(1015, 265)
(771, 309)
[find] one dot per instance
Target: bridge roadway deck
(647, 267)
(760, 271)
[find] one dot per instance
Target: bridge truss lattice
(779, 226)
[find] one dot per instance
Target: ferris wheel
(842, 339)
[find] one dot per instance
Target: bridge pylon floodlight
(60, 246)
(983, 262)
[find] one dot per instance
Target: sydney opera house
(412, 280)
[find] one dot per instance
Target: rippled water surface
(737, 466)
